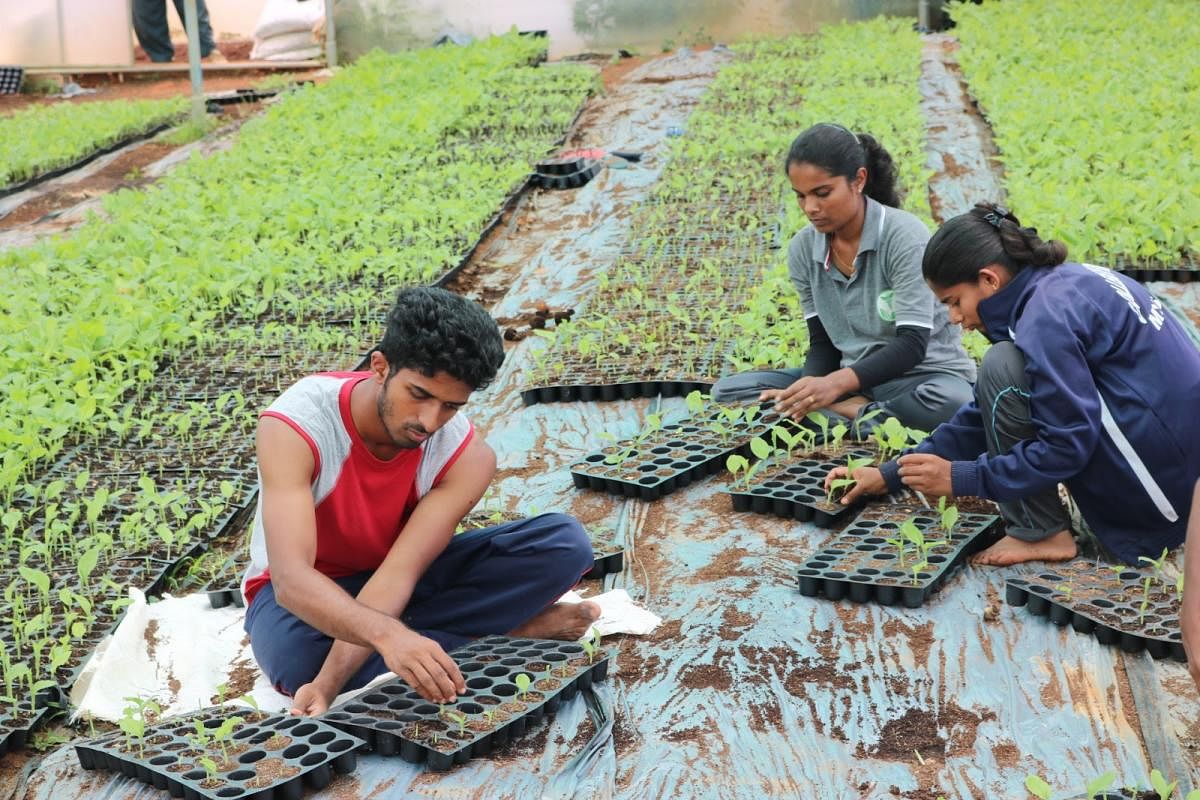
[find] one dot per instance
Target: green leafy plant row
(42, 138)
(370, 180)
(1095, 124)
(177, 316)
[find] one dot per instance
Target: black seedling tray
(667, 460)
(275, 757)
(395, 720)
(570, 180)
(860, 564)
(608, 556)
(219, 598)
(1106, 604)
(608, 392)
(797, 492)
(15, 728)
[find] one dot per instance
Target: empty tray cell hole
(295, 751)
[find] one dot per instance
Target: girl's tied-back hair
(839, 151)
(987, 234)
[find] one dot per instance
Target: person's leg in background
(921, 401)
(207, 43)
(749, 385)
(150, 26)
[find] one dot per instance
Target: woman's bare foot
(566, 621)
(1059, 547)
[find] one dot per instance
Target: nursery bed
(749, 689)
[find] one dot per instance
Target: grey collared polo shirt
(886, 290)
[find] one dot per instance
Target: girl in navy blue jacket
(1089, 383)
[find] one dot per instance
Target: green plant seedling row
(900, 556)
(214, 754)
(1134, 609)
(511, 685)
(46, 141)
(1088, 121)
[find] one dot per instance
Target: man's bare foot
(566, 621)
(1059, 547)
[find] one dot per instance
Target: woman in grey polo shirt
(877, 337)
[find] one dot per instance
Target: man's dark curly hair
(432, 330)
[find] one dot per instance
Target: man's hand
(311, 700)
(805, 395)
(423, 665)
(869, 482)
(927, 474)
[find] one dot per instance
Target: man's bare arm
(289, 521)
(418, 660)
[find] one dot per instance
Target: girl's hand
(927, 474)
(805, 395)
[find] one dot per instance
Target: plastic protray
(271, 758)
(1105, 603)
(16, 725)
(395, 720)
(668, 460)
(607, 556)
(797, 492)
(861, 564)
(569, 180)
(629, 390)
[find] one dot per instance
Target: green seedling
(852, 466)
(1159, 781)
(838, 433)
(134, 719)
(948, 515)
(1038, 787)
(822, 422)
(1179, 587)
(1065, 590)
(523, 681)
(459, 718)
(916, 571)
(1158, 565)
(591, 645)
(1099, 784)
(210, 767)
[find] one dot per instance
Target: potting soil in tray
(669, 458)
(860, 563)
(796, 491)
(1106, 602)
(275, 755)
(395, 720)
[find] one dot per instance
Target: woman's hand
(869, 481)
(805, 395)
(927, 474)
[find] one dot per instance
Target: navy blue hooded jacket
(1115, 398)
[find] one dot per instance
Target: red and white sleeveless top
(361, 501)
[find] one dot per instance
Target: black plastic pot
(395, 720)
(608, 392)
(860, 564)
(587, 169)
(316, 751)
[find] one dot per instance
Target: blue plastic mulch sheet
(749, 690)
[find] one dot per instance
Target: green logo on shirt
(884, 304)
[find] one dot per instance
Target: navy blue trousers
(486, 581)
(152, 29)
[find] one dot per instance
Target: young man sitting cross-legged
(364, 476)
